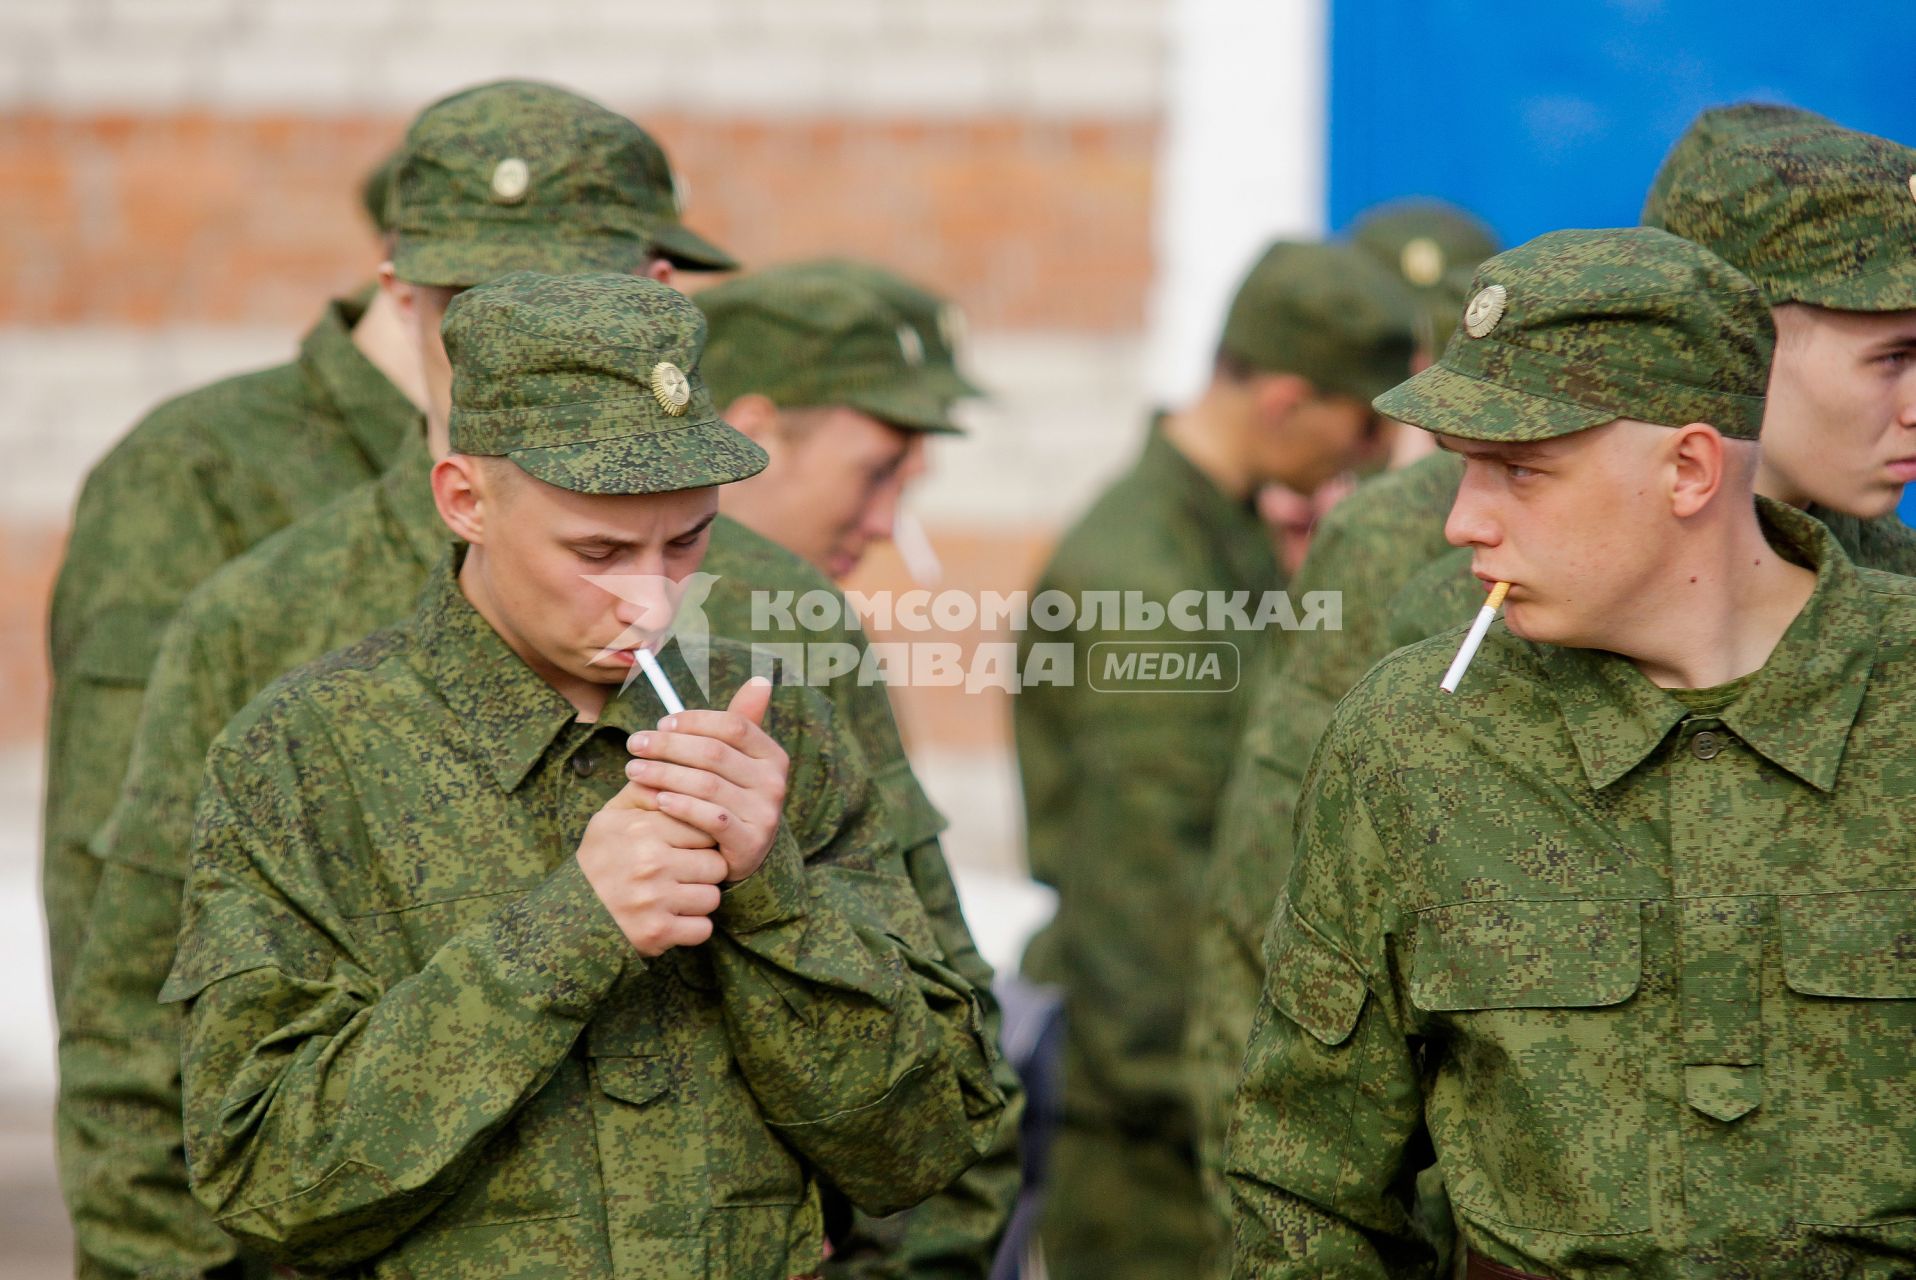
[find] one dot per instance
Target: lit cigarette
(655, 675)
(1478, 629)
(915, 549)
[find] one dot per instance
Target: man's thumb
(751, 700)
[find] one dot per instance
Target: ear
(404, 297)
(757, 417)
(1698, 467)
(659, 269)
(459, 491)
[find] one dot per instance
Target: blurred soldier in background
(1120, 783)
(200, 479)
(1434, 248)
(839, 371)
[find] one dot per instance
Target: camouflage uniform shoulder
(317, 548)
(1397, 505)
(1399, 698)
(1894, 596)
(1119, 542)
(215, 416)
(746, 551)
(1884, 542)
(745, 562)
(368, 675)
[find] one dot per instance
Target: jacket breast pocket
(1537, 1107)
(1849, 961)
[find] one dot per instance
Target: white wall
(1242, 162)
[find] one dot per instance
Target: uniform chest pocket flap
(1312, 983)
(634, 1080)
(629, 1055)
(1851, 946)
(1527, 955)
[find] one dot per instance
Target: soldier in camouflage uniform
(1823, 235)
(840, 371)
(1120, 783)
(199, 480)
(1613, 929)
(327, 582)
(460, 1002)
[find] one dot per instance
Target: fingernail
(669, 723)
(635, 768)
(640, 742)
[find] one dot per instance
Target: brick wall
(168, 218)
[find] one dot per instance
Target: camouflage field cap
(812, 334)
(1326, 312)
(1578, 328)
(591, 383)
(1714, 128)
(1434, 247)
(517, 176)
(939, 322)
(1812, 212)
(375, 192)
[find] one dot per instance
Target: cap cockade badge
(671, 388)
(911, 346)
(510, 178)
(1422, 262)
(1485, 310)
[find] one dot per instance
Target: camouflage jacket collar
(1796, 711)
(377, 414)
(510, 716)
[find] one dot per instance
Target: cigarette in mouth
(1485, 615)
(655, 675)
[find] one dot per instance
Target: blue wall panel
(1555, 113)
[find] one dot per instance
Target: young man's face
(1573, 524)
(1839, 427)
(832, 487)
(1318, 438)
(537, 550)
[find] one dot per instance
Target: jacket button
(583, 764)
(1706, 744)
